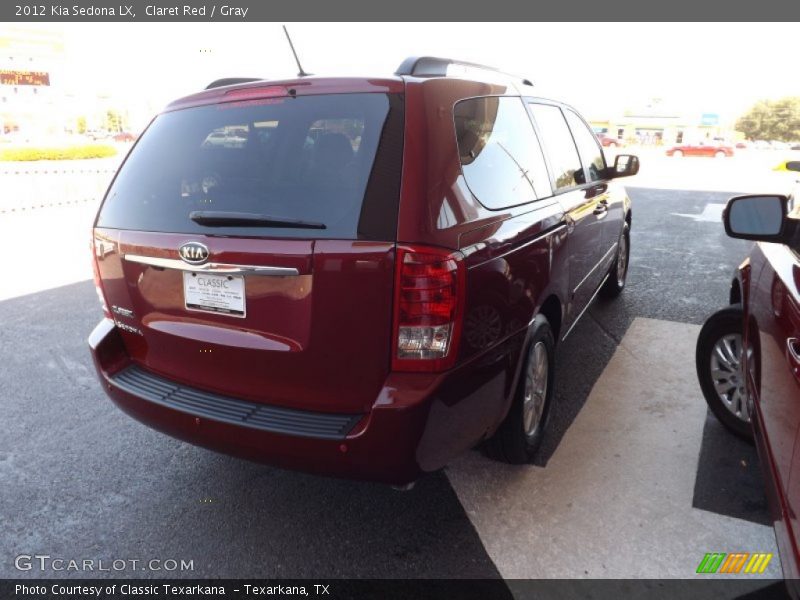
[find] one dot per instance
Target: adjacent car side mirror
(625, 165)
(762, 218)
(789, 165)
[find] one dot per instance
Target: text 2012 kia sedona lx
(355, 277)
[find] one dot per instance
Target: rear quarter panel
(515, 259)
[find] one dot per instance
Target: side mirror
(625, 165)
(760, 218)
(789, 165)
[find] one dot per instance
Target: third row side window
(500, 154)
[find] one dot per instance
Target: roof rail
(231, 81)
(431, 66)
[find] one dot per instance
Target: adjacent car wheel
(677, 153)
(720, 154)
(520, 435)
(720, 370)
(619, 270)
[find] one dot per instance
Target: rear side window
(331, 161)
(559, 145)
(500, 155)
(588, 148)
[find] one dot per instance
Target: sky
(600, 68)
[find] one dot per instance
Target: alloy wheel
(536, 377)
(728, 375)
(622, 260)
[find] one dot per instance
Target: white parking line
(711, 213)
(615, 500)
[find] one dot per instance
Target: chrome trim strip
(538, 238)
(585, 308)
(594, 268)
(535, 240)
(214, 268)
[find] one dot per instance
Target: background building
(42, 100)
(31, 63)
(656, 123)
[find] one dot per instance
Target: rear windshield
(324, 166)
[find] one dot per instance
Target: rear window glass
(500, 154)
(303, 162)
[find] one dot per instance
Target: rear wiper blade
(215, 218)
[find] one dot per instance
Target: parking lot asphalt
(78, 479)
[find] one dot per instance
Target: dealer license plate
(222, 294)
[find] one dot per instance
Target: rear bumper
(415, 425)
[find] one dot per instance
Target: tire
(717, 359)
(618, 274)
(513, 442)
(720, 154)
(677, 153)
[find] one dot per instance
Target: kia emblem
(193, 253)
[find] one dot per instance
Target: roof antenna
(301, 73)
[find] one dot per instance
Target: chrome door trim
(594, 268)
(585, 308)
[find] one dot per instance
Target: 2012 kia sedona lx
(356, 277)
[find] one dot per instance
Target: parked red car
(748, 355)
(124, 136)
(716, 150)
(371, 283)
(608, 141)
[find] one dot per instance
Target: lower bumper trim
(153, 388)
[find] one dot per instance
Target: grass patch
(68, 153)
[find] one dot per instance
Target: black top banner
(408, 10)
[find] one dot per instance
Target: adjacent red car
(716, 150)
(748, 355)
(365, 277)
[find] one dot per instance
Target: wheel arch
(553, 311)
(735, 294)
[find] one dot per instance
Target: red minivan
(361, 277)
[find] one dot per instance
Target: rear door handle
(601, 208)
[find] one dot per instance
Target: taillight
(98, 251)
(429, 304)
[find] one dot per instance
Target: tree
(113, 121)
(772, 120)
